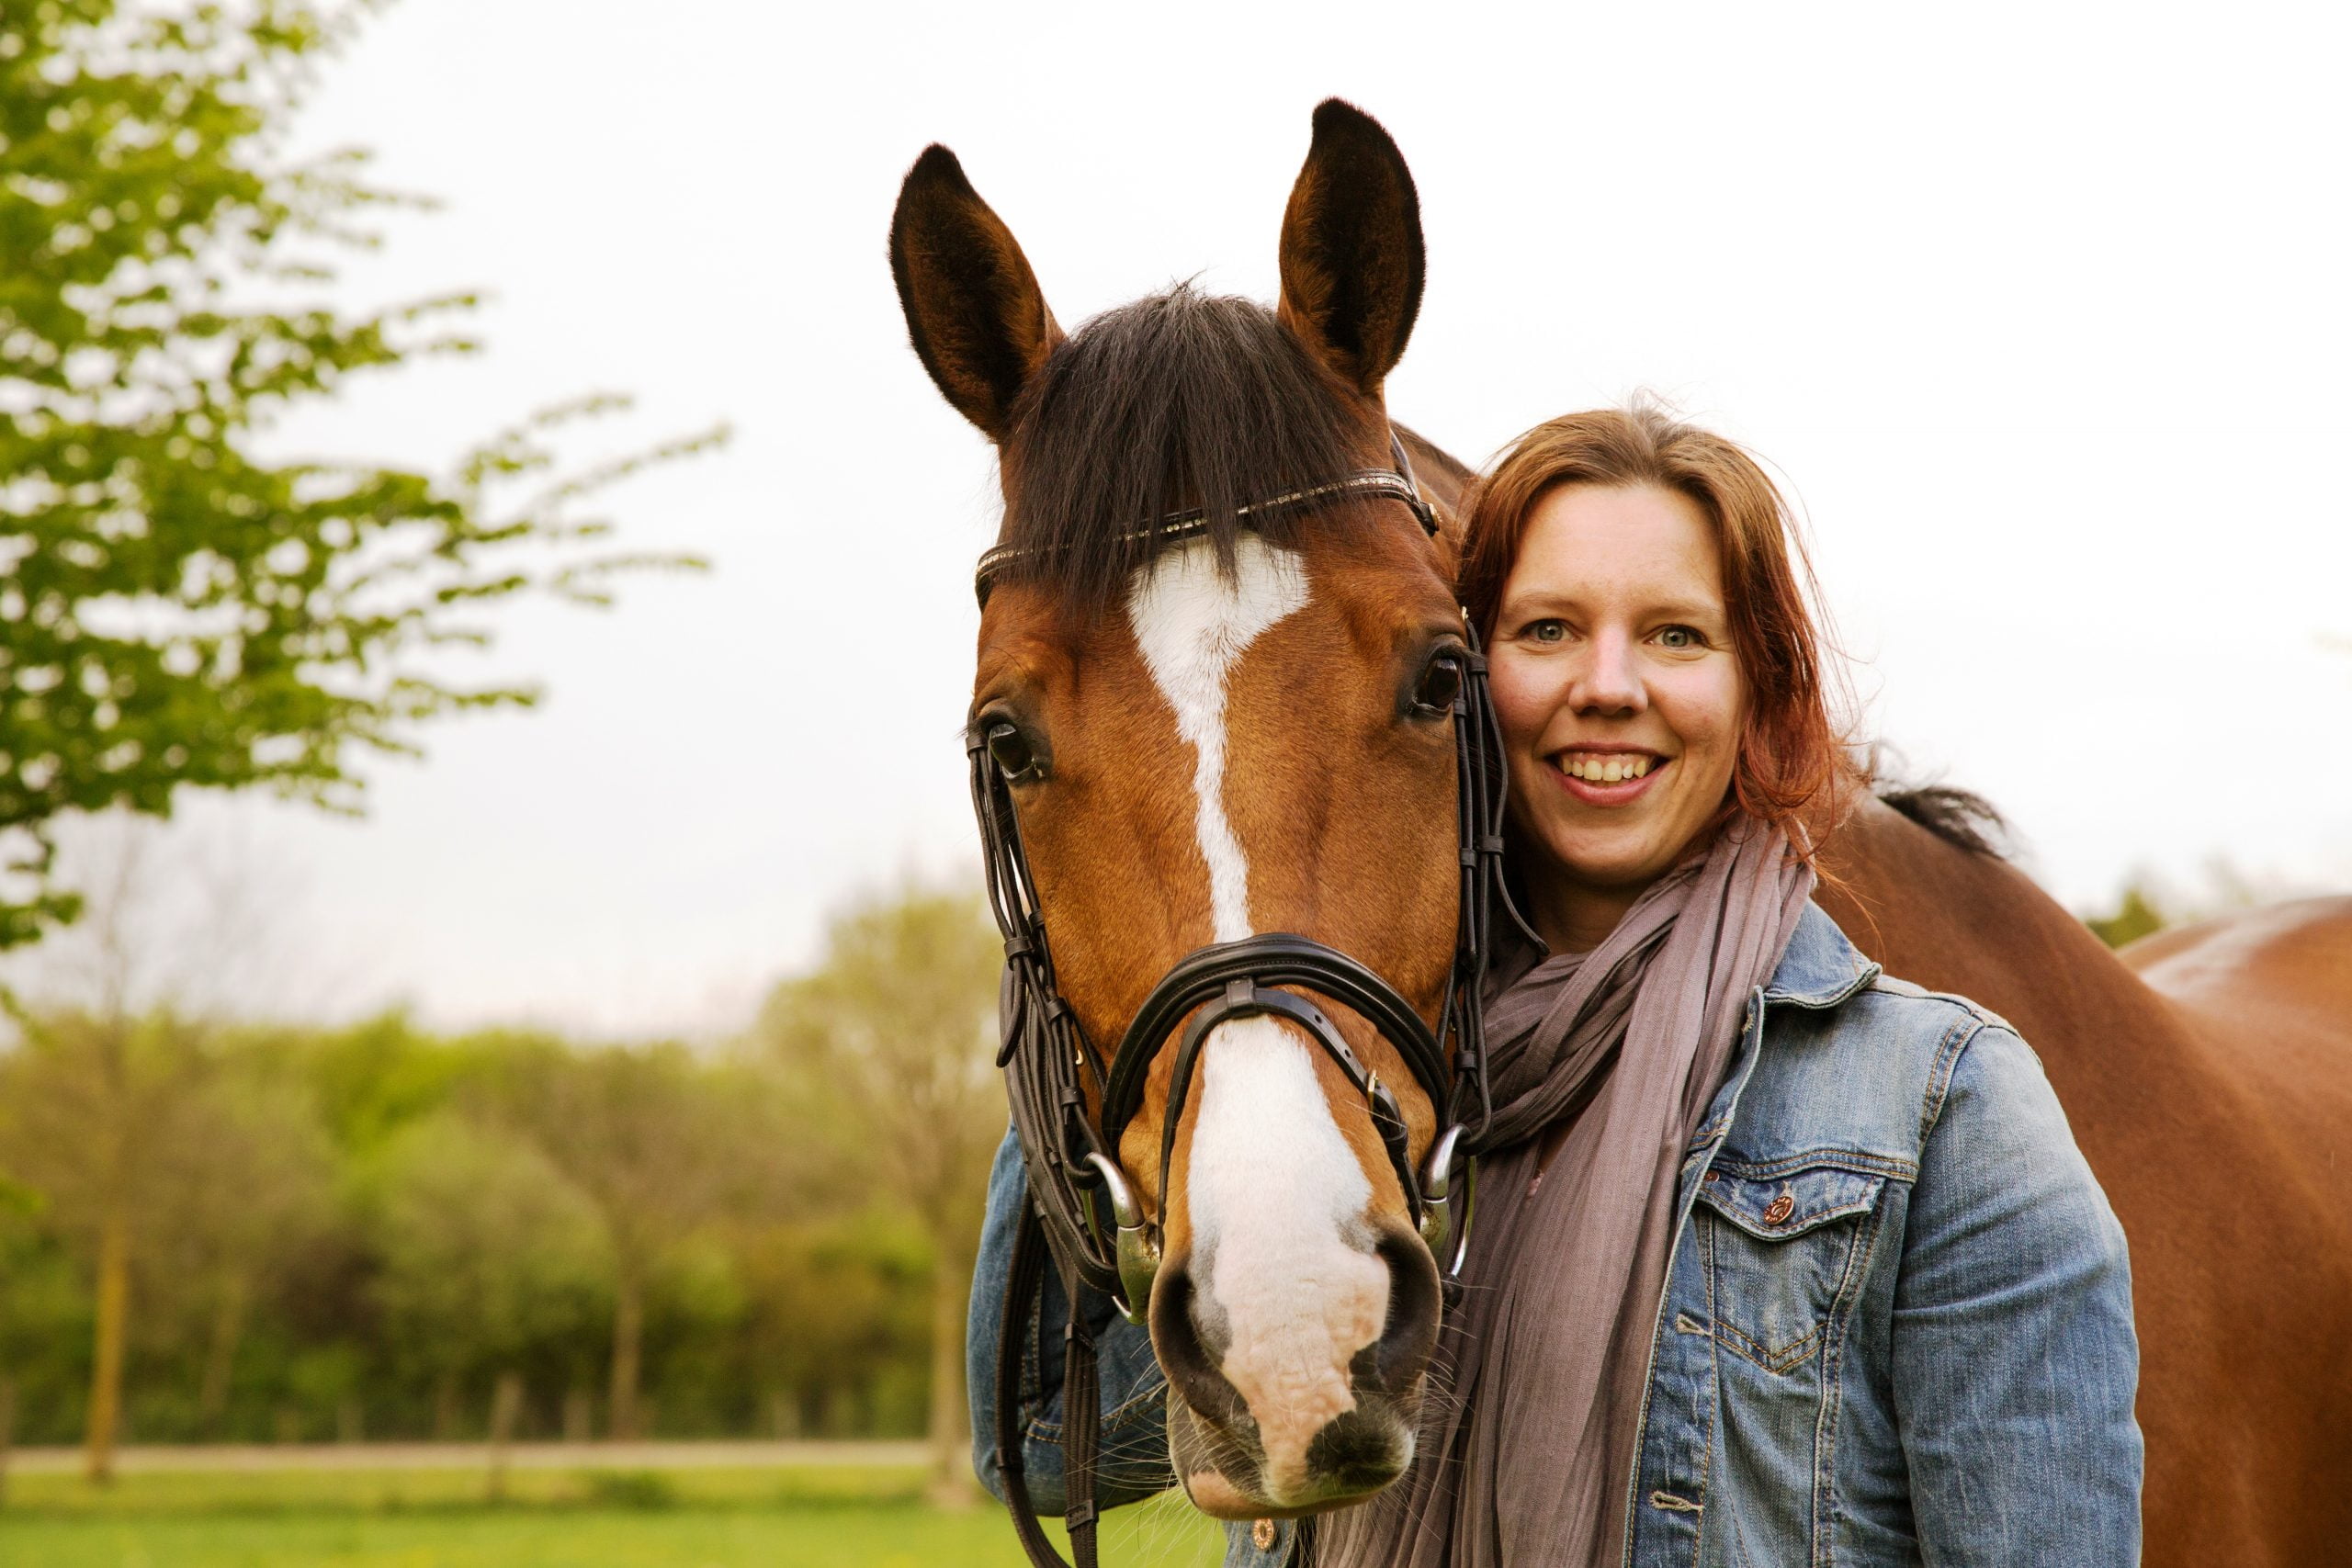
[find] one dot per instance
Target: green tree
(658, 1143)
(183, 1170)
(839, 1309)
(238, 1204)
(174, 610)
(374, 1077)
(889, 1047)
(100, 1113)
(485, 1250)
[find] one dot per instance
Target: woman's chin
(1618, 850)
(1621, 858)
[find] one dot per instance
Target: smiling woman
(1629, 573)
(1781, 1257)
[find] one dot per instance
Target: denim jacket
(1897, 1319)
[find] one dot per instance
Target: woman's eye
(1682, 638)
(1546, 631)
(1011, 750)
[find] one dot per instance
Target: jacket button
(1262, 1535)
(1780, 1208)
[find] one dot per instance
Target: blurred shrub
(352, 1232)
(2135, 916)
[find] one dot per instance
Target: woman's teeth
(1606, 770)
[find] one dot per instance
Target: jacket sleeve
(2015, 1361)
(1134, 1455)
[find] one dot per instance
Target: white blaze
(1193, 625)
(1277, 1198)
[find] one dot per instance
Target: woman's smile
(1607, 776)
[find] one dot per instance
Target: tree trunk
(579, 1417)
(220, 1354)
(445, 1407)
(628, 1337)
(505, 1405)
(951, 1445)
(105, 1371)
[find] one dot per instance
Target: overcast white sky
(2040, 313)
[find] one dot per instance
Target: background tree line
(222, 1230)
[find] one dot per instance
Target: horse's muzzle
(1219, 1446)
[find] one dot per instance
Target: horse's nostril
(1185, 1352)
(1359, 1452)
(1409, 1335)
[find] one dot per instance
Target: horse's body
(2208, 1074)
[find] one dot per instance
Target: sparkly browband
(1395, 484)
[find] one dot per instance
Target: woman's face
(1620, 696)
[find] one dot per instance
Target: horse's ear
(1351, 248)
(974, 311)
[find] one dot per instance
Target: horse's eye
(1440, 683)
(1012, 751)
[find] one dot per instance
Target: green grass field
(698, 1518)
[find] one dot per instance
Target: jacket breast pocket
(1785, 1246)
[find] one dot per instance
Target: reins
(1082, 1213)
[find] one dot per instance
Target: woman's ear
(1351, 248)
(974, 312)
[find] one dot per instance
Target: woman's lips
(1600, 792)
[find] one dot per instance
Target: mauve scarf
(1537, 1388)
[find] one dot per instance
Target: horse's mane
(1178, 400)
(1959, 816)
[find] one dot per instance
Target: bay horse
(2207, 1073)
(1224, 736)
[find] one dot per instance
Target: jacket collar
(1821, 968)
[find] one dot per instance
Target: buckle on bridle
(1136, 1245)
(1442, 1227)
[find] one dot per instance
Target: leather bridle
(1082, 1207)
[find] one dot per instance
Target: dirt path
(256, 1457)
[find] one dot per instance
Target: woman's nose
(1610, 682)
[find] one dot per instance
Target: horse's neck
(1971, 924)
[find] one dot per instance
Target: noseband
(1082, 1204)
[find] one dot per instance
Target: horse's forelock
(1178, 400)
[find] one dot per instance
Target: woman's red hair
(1792, 764)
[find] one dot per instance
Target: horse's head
(1216, 732)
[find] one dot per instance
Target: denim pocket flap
(1789, 1203)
